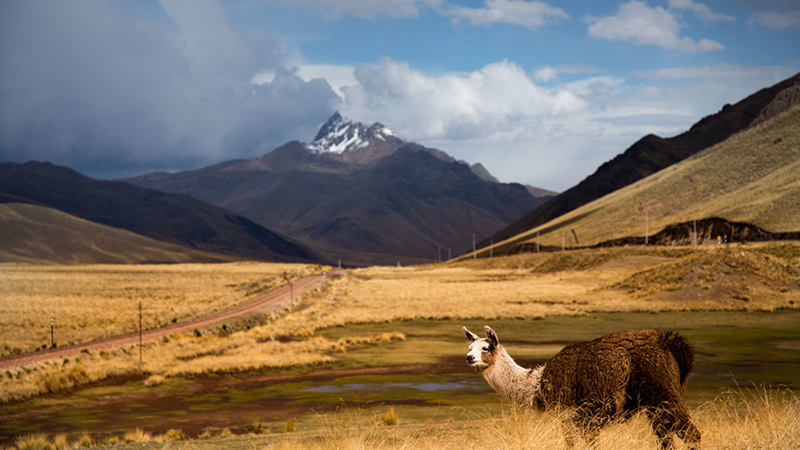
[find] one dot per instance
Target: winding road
(270, 302)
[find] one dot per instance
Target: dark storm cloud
(84, 85)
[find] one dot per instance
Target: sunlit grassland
(767, 419)
(521, 287)
(95, 301)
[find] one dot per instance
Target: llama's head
(482, 351)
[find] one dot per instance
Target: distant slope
(171, 218)
(752, 177)
(402, 206)
(38, 234)
(649, 155)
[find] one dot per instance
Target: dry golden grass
(557, 284)
(180, 355)
(763, 278)
(751, 177)
(96, 301)
(735, 420)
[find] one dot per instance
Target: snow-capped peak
(339, 134)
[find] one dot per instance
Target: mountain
(170, 218)
(38, 234)
(742, 188)
(652, 153)
(359, 193)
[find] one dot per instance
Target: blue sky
(539, 92)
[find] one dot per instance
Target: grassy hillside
(751, 177)
(652, 153)
(38, 234)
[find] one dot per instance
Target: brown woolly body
(595, 382)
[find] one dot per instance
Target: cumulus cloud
(548, 73)
(370, 9)
(638, 23)
(454, 105)
(776, 20)
(700, 10)
(530, 14)
(83, 85)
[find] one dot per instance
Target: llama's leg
(688, 433)
(663, 423)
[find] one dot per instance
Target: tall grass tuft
(137, 435)
(33, 442)
(85, 441)
(60, 441)
(390, 419)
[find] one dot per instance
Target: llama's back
(629, 369)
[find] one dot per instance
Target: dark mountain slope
(649, 155)
(176, 219)
(400, 207)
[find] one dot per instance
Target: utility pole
(491, 248)
(646, 229)
(449, 256)
(474, 252)
(563, 239)
(537, 241)
(52, 319)
(140, 332)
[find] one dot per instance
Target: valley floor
(380, 355)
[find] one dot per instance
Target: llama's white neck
(512, 381)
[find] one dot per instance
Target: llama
(595, 382)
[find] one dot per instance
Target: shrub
(174, 435)
(254, 428)
(154, 380)
(391, 418)
(291, 425)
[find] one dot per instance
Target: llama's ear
(470, 335)
(491, 336)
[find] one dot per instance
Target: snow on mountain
(356, 143)
(339, 135)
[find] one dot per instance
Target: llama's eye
(485, 350)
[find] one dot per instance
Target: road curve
(269, 302)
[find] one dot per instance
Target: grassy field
(751, 177)
(95, 301)
(375, 359)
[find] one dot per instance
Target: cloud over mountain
(92, 88)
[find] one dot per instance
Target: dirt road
(272, 301)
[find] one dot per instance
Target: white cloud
(700, 10)
(776, 20)
(530, 14)
(553, 136)
(336, 76)
(455, 105)
(550, 73)
(752, 76)
(370, 9)
(638, 23)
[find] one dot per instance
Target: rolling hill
(169, 218)
(38, 234)
(652, 153)
(360, 194)
(750, 178)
